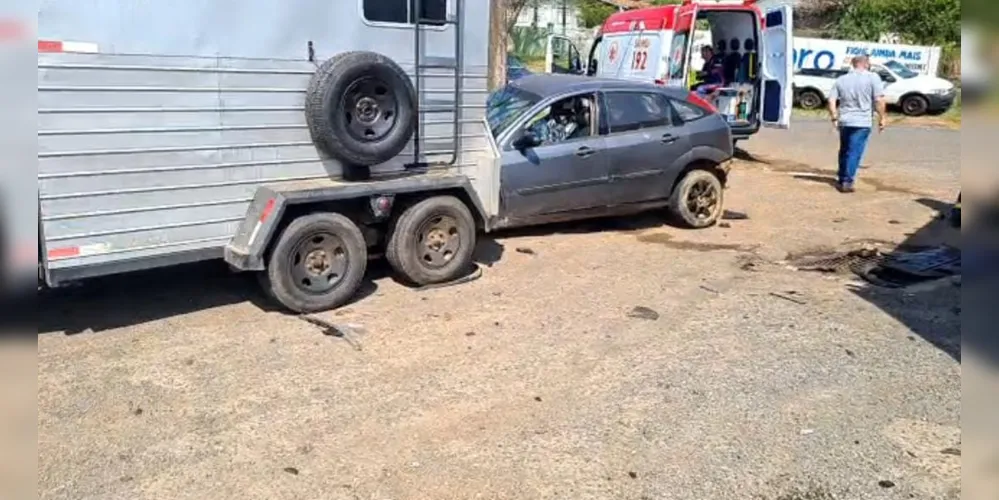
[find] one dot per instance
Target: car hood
(929, 83)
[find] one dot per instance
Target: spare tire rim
(318, 263)
(438, 241)
(370, 109)
(702, 199)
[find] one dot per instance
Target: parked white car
(913, 93)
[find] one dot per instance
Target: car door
(643, 144)
(681, 46)
(553, 178)
(562, 56)
(777, 90)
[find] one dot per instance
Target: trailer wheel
(360, 107)
(317, 263)
(432, 241)
(698, 199)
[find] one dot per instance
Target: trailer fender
(246, 251)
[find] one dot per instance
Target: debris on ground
(340, 331)
(884, 483)
(473, 274)
(525, 251)
(788, 296)
(895, 269)
(733, 215)
(642, 312)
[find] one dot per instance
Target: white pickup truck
(913, 93)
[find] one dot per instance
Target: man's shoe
(848, 187)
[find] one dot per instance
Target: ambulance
(660, 45)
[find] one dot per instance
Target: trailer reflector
(59, 46)
(77, 251)
(268, 209)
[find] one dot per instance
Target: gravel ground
(740, 378)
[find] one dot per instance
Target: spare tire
(361, 108)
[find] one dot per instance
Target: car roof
(546, 84)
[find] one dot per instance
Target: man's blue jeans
(852, 142)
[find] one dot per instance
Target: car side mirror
(887, 78)
(526, 141)
(577, 65)
(592, 68)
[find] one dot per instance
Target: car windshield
(505, 105)
(900, 69)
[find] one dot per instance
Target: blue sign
(808, 58)
(828, 58)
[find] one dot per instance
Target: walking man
(859, 94)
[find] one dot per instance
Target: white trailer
(158, 121)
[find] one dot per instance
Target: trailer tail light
(698, 101)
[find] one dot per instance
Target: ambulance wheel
(915, 105)
(698, 199)
(432, 241)
(317, 263)
(360, 107)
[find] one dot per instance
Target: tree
(503, 16)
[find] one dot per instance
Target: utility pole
(564, 10)
(497, 44)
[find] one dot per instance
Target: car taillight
(695, 99)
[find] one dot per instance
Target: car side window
(687, 112)
(630, 111)
(564, 120)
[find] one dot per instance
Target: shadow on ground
(931, 312)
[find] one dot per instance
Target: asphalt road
(747, 380)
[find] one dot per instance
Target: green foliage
(924, 22)
(593, 13)
(528, 42)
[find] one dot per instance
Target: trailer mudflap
(246, 250)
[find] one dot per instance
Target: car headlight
(942, 91)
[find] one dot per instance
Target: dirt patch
(805, 172)
(666, 239)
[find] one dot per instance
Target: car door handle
(668, 139)
(585, 152)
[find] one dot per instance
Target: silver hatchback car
(575, 147)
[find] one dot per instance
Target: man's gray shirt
(856, 92)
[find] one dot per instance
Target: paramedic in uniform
(859, 93)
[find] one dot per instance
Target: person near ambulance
(711, 77)
(854, 99)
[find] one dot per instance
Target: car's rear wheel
(698, 199)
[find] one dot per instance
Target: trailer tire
(698, 199)
(317, 263)
(361, 108)
(432, 241)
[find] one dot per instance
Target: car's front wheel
(915, 105)
(698, 199)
